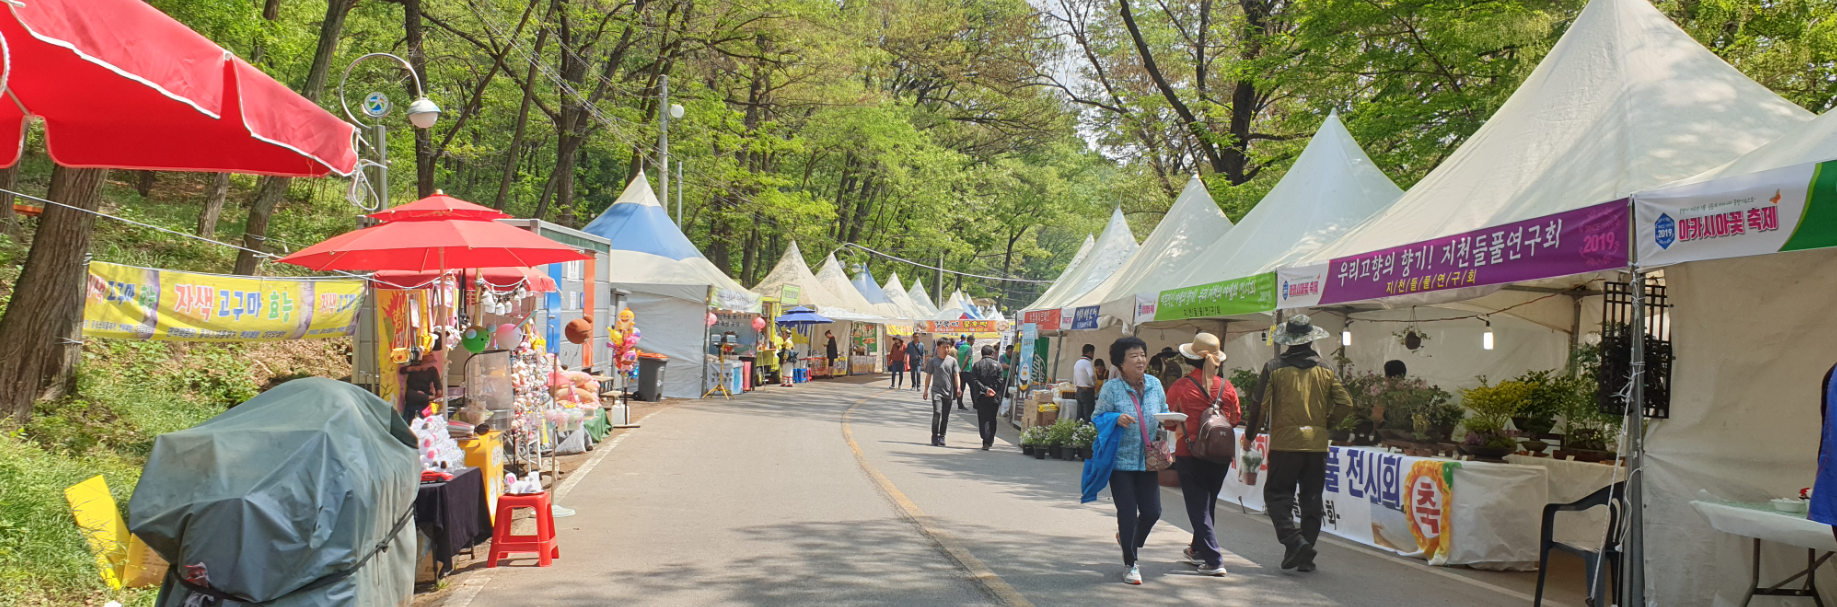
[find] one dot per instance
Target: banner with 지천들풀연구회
(128, 302)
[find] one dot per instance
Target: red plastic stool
(542, 543)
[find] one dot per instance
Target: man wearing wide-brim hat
(1300, 401)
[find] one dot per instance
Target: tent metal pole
(1633, 551)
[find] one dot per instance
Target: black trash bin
(650, 377)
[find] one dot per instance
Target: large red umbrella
(121, 85)
(437, 207)
(498, 279)
(433, 245)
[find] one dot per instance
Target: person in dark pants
(941, 381)
(915, 360)
(1301, 400)
(966, 348)
(1135, 489)
(1084, 379)
(985, 379)
(1201, 480)
(896, 362)
(831, 355)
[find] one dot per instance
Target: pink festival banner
(1585, 240)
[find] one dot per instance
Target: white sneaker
(1134, 576)
(1219, 572)
(1192, 559)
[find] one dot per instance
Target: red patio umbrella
(121, 85)
(497, 278)
(433, 245)
(437, 207)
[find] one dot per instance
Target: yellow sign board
(127, 302)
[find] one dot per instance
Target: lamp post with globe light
(422, 113)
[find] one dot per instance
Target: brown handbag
(1156, 454)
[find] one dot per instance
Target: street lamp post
(671, 111)
(422, 113)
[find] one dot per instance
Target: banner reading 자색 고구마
(127, 302)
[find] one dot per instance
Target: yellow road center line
(978, 571)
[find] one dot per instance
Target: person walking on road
(1133, 485)
(1084, 378)
(915, 358)
(986, 386)
(1200, 479)
(1301, 399)
(896, 362)
(965, 349)
(941, 381)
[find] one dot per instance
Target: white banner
(1145, 307)
(1300, 287)
(1752, 214)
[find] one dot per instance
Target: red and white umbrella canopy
(437, 207)
(433, 245)
(121, 85)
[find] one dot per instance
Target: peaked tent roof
(863, 281)
(1190, 225)
(1108, 253)
(1331, 188)
(792, 271)
(922, 300)
(896, 293)
(648, 249)
(835, 281)
(1815, 141)
(1625, 101)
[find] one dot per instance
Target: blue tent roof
(864, 282)
(637, 222)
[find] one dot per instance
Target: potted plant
(1059, 438)
(1031, 440)
(1587, 429)
(1083, 437)
(1538, 416)
(1493, 406)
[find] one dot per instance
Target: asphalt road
(762, 501)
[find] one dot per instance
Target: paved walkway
(762, 500)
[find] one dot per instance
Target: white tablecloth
(1763, 522)
(1497, 509)
(1570, 481)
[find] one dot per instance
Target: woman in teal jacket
(1135, 398)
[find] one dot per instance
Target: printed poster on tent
(1785, 209)
(1246, 295)
(127, 302)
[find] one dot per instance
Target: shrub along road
(762, 500)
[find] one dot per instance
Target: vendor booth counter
(1486, 515)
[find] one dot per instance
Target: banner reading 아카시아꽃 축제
(1248, 295)
(127, 302)
(1785, 209)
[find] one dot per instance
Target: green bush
(1060, 433)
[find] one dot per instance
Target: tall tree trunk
(144, 182)
(719, 235)
(417, 57)
(1201, 137)
(516, 136)
(214, 195)
(272, 189)
(39, 335)
(268, 194)
(9, 221)
(749, 257)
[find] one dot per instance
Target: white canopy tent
(901, 301)
(670, 284)
(832, 277)
(1107, 254)
(792, 271)
(1070, 267)
(1625, 101)
(922, 300)
(1193, 223)
(1745, 416)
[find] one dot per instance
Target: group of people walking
(1297, 398)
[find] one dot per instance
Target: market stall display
(266, 502)
(454, 514)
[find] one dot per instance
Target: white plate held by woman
(1170, 417)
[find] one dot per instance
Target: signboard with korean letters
(1784, 209)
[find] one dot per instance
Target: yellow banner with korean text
(127, 302)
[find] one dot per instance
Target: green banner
(1249, 295)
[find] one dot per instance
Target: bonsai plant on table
(1493, 407)
(1586, 429)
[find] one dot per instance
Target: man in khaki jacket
(1300, 399)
